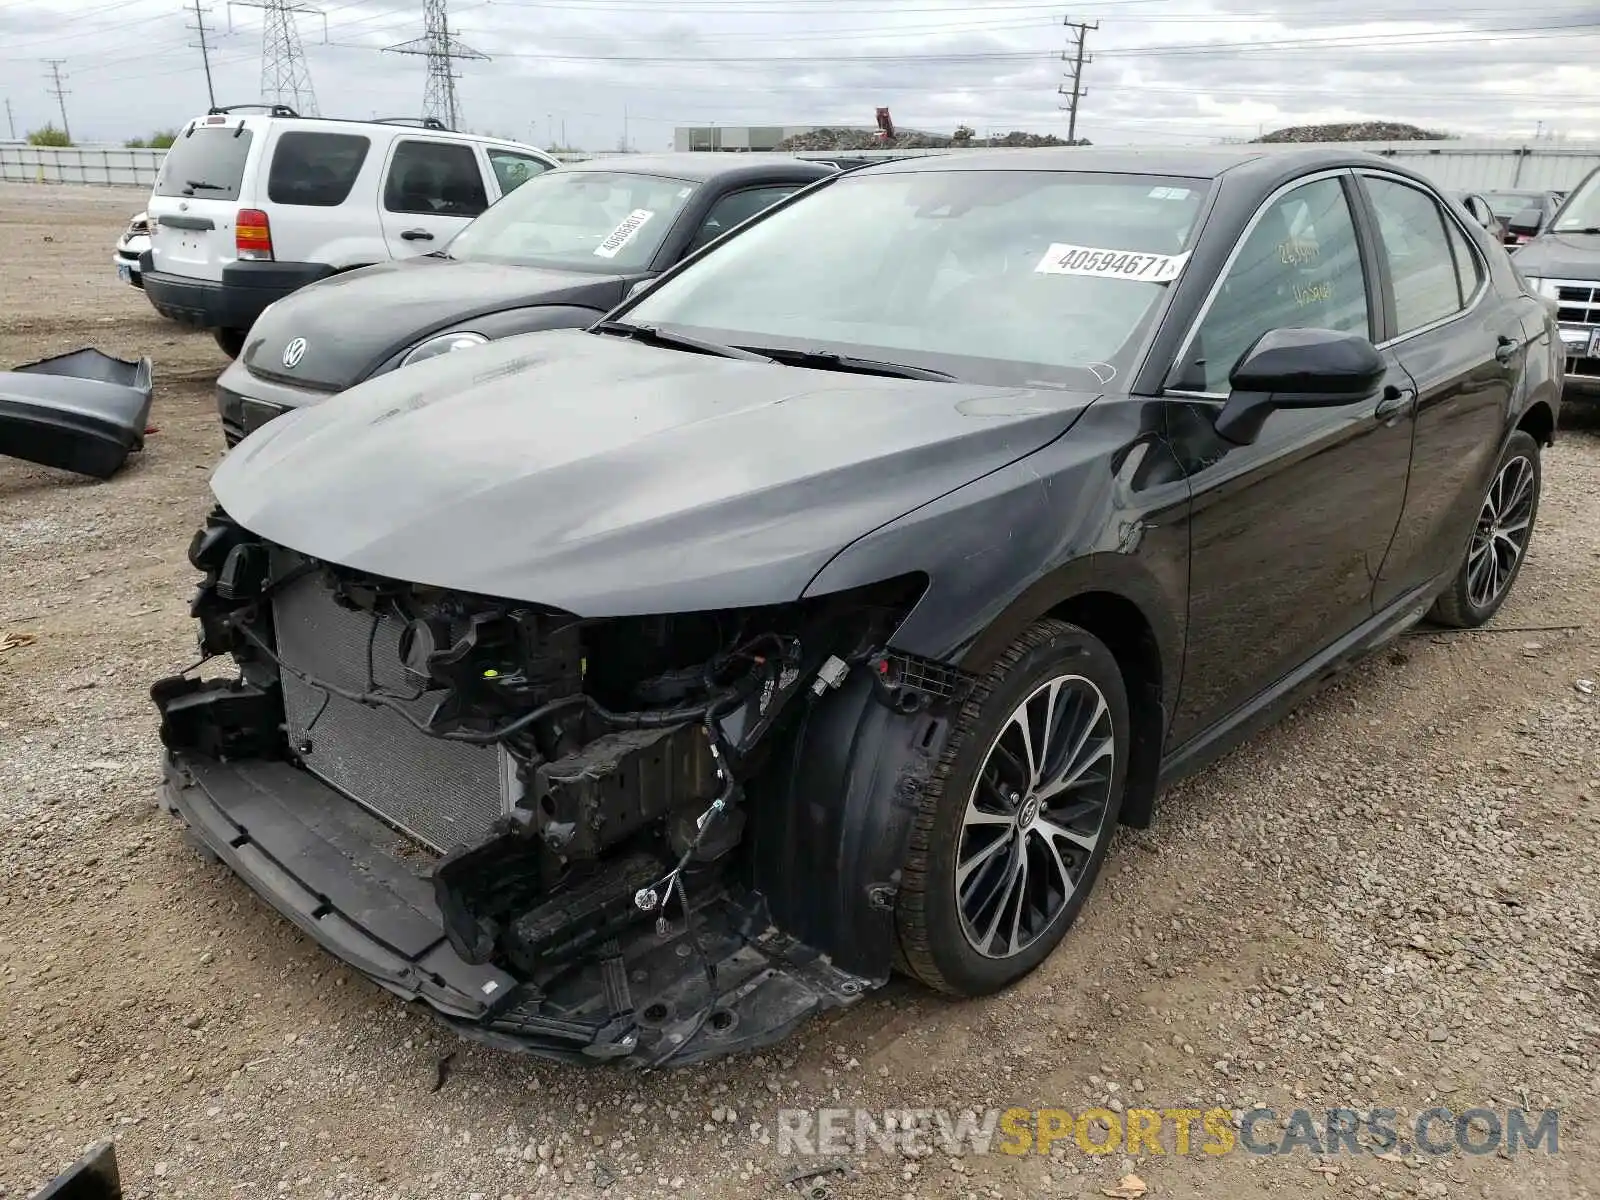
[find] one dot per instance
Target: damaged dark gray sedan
(638, 692)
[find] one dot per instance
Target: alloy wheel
(1504, 525)
(1035, 817)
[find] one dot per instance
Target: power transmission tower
(59, 92)
(285, 77)
(439, 45)
(199, 27)
(1074, 55)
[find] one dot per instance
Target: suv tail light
(252, 235)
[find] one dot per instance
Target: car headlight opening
(443, 343)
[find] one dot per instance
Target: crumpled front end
(655, 838)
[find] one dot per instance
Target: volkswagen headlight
(443, 343)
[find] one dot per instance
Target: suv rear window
(316, 169)
(206, 163)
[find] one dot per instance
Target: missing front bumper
(365, 894)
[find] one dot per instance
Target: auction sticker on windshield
(623, 233)
(1065, 259)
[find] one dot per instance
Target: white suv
(249, 207)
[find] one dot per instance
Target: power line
(59, 92)
(439, 46)
(199, 27)
(1074, 54)
(285, 77)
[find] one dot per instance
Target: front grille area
(1578, 304)
(440, 792)
(1585, 368)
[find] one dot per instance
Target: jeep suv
(250, 206)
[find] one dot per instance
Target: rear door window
(512, 170)
(206, 163)
(315, 169)
(1469, 270)
(1421, 265)
(437, 179)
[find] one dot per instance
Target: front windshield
(611, 221)
(1003, 277)
(1582, 209)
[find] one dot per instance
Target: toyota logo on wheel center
(294, 352)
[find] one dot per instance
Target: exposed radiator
(440, 792)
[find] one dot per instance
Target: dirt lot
(1393, 899)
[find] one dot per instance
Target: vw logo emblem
(294, 352)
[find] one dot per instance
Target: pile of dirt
(1355, 131)
(867, 139)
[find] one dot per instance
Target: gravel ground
(1391, 899)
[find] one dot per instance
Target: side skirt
(1297, 686)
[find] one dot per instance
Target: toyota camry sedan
(635, 692)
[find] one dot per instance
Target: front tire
(1499, 540)
(1016, 821)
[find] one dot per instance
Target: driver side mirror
(1297, 368)
(1525, 223)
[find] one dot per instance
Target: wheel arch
(1538, 420)
(1117, 599)
(1124, 629)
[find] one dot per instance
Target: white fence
(1479, 165)
(111, 166)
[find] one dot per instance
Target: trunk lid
(202, 185)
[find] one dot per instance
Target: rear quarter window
(206, 163)
(315, 169)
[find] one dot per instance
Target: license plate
(1594, 344)
(124, 273)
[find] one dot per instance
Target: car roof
(702, 166)
(1195, 162)
(400, 126)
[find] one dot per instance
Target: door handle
(1394, 400)
(417, 235)
(1505, 349)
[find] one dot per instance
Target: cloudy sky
(1163, 70)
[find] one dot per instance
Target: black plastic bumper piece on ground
(92, 1177)
(245, 290)
(83, 412)
(364, 893)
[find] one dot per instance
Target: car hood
(353, 323)
(1561, 256)
(609, 478)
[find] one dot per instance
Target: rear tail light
(252, 235)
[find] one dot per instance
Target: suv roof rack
(424, 122)
(275, 110)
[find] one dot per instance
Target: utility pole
(439, 46)
(59, 92)
(285, 77)
(11, 120)
(199, 27)
(1074, 55)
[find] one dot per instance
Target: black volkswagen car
(554, 254)
(634, 692)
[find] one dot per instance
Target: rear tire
(1499, 541)
(1029, 840)
(230, 341)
